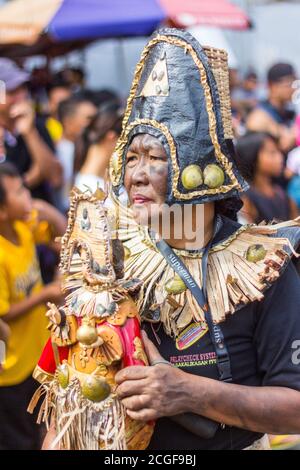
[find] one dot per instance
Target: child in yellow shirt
(22, 303)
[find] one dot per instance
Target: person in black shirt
(26, 142)
(220, 301)
(229, 350)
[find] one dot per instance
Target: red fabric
(47, 361)
(131, 330)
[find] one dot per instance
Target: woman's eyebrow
(150, 147)
(134, 146)
(140, 146)
(132, 149)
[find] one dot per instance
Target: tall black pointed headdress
(180, 94)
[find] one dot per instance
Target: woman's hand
(151, 392)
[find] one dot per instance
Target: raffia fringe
(80, 424)
(45, 409)
(232, 282)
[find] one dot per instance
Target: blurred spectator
(297, 124)
(260, 160)
(245, 96)
(234, 79)
(275, 115)
(105, 96)
(22, 303)
(97, 146)
(27, 144)
(237, 117)
(293, 171)
(39, 81)
(2, 145)
(75, 114)
(58, 91)
(75, 76)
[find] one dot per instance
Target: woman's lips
(140, 199)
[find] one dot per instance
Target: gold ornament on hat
(213, 176)
(191, 177)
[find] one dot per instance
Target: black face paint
(159, 174)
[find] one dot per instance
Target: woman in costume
(224, 367)
(222, 318)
